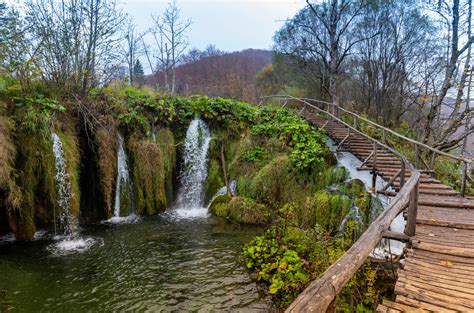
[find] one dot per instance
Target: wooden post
(463, 179)
(402, 175)
(374, 169)
(355, 122)
(349, 137)
(417, 156)
(410, 227)
(384, 136)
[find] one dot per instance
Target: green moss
(364, 202)
(219, 206)
(36, 172)
(240, 210)
(325, 209)
(166, 142)
(339, 175)
(245, 210)
(215, 178)
(106, 142)
(148, 175)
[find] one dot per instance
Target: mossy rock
(339, 175)
(330, 158)
(219, 206)
(352, 188)
(215, 178)
(240, 210)
(245, 210)
(325, 209)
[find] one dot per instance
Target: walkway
(438, 270)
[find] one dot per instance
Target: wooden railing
(335, 112)
(322, 292)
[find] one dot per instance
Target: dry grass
(7, 153)
(106, 139)
(148, 176)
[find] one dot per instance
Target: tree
(443, 138)
(170, 37)
(389, 64)
(322, 34)
(76, 41)
(132, 49)
(138, 74)
(15, 53)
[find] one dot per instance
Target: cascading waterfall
(122, 184)
(123, 205)
(194, 170)
(69, 239)
(67, 222)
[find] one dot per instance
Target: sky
(229, 25)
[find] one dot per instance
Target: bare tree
(320, 36)
(170, 37)
(132, 48)
(76, 40)
(443, 138)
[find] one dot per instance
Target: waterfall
(123, 177)
(194, 169)
(69, 240)
(68, 222)
(223, 191)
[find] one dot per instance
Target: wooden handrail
(395, 152)
(319, 295)
(305, 100)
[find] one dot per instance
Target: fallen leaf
(446, 263)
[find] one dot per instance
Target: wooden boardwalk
(438, 271)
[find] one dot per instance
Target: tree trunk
(224, 169)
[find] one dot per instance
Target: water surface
(158, 264)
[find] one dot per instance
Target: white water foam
(351, 162)
(68, 222)
(131, 219)
(190, 203)
(67, 245)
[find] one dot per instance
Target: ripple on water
(131, 219)
(67, 245)
(160, 264)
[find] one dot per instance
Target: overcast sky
(229, 25)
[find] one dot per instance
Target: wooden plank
(439, 256)
(442, 269)
(423, 305)
(427, 278)
(401, 307)
(437, 287)
(466, 252)
(446, 202)
(439, 274)
(448, 302)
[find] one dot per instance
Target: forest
(131, 160)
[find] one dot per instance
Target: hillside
(230, 75)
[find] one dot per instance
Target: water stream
(351, 162)
(193, 174)
(67, 240)
(67, 222)
(123, 189)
